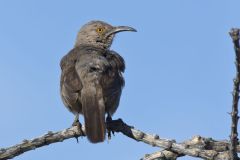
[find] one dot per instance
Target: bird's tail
(94, 112)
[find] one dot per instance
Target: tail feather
(94, 112)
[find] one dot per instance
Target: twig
(234, 33)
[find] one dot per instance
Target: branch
(234, 33)
(161, 155)
(168, 155)
(205, 148)
(49, 138)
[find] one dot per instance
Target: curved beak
(119, 29)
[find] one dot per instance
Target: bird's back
(109, 62)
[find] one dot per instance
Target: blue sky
(178, 77)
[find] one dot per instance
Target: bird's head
(99, 33)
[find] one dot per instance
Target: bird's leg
(108, 120)
(76, 120)
(79, 126)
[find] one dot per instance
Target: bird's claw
(109, 131)
(79, 127)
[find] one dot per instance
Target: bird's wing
(114, 82)
(116, 59)
(70, 83)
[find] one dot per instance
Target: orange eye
(100, 30)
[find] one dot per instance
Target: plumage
(91, 79)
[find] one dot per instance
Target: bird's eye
(99, 30)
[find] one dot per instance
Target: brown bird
(91, 79)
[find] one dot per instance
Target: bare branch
(49, 138)
(234, 33)
(205, 148)
(161, 155)
(168, 155)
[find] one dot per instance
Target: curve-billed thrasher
(91, 79)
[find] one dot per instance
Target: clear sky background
(180, 66)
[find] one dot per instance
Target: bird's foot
(109, 131)
(79, 127)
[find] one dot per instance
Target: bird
(92, 80)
